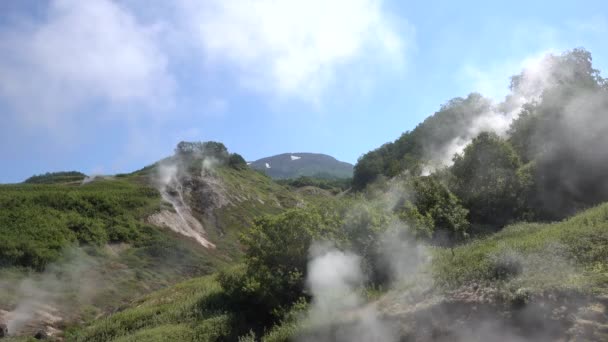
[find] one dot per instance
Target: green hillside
(64, 230)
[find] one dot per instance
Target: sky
(110, 86)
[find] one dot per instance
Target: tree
(367, 169)
(562, 137)
(449, 217)
(486, 179)
(203, 149)
(411, 149)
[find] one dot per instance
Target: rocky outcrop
(183, 223)
(191, 196)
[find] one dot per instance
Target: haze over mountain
(294, 165)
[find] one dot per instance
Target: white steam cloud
(334, 280)
(539, 73)
(42, 298)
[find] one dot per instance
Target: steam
(414, 309)
(41, 297)
(171, 189)
(334, 280)
(209, 164)
(92, 178)
(404, 256)
(539, 74)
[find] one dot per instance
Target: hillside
(295, 165)
(96, 244)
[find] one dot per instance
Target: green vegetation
(56, 177)
(38, 221)
(237, 161)
(550, 164)
(334, 185)
(105, 222)
(572, 254)
(182, 312)
(413, 149)
(486, 179)
(434, 212)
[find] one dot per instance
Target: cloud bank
(126, 57)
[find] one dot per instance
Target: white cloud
(293, 47)
(100, 59)
(82, 52)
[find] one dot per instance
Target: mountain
(294, 165)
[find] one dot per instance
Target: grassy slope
(571, 255)
(37, 221)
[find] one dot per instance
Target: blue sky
(108, 86)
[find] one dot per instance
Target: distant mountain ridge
(294, 165)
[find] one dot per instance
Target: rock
(41, 335)
(3, 330)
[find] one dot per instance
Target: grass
(178, 313)
(572, 254)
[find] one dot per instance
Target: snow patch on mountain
(295, 157)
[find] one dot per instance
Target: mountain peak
(294, 165)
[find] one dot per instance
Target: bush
(56, 177)
(276, 250)
(236, 161)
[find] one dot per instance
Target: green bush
(276, 251)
